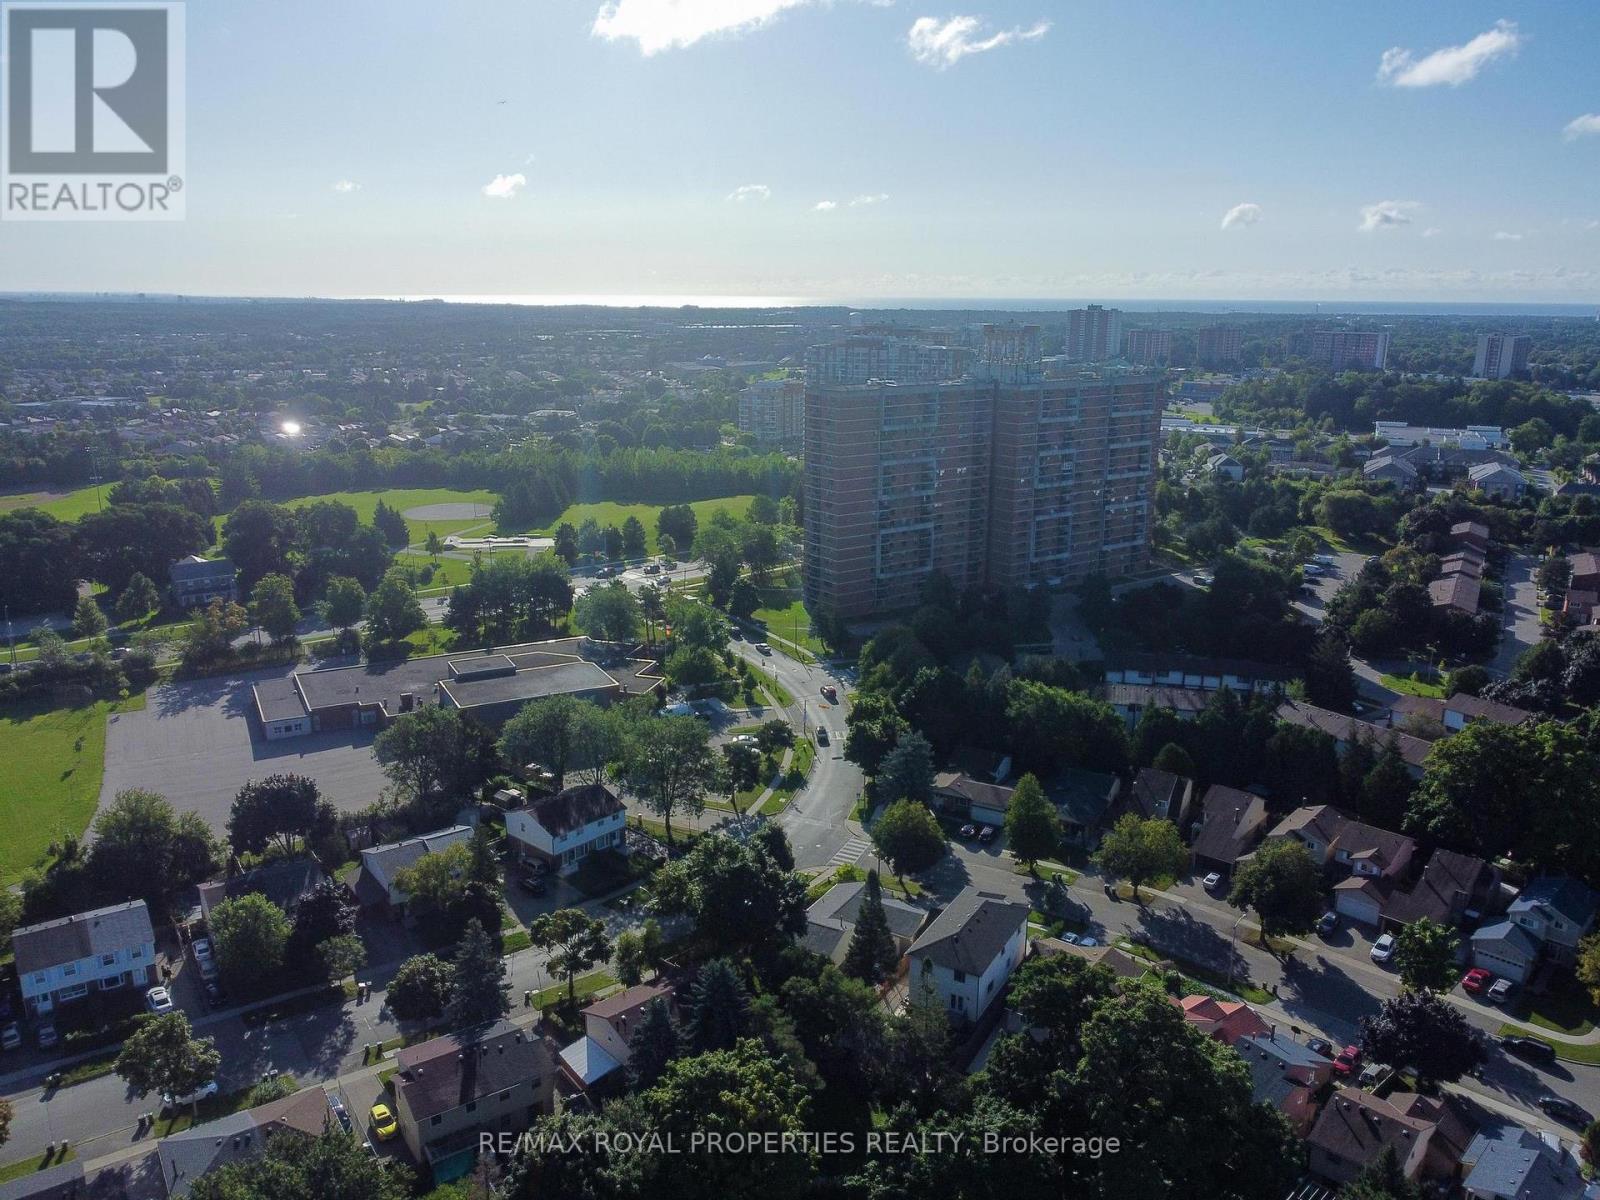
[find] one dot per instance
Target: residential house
(496, 1078)
(968, 799)
(1225, 1020)
(566, 828)
(1131, 701)
(1452, 888)
(1508, 1162)
(1285, 1074)
(1498, 481)
(1460, 592)
(1455, 713)
(1376, 859)
(831, 920)
(608, 1028)
(1086, 801)
(104, 950)
(1559, 912)
(1160, 795)
(374, 882)
(1355, 1127)
(1345, 730)
(1585, 571)
(1507, 949)
(64, 1181)
(1225, 466)
(1120, 963)
(1231, 823)
(1470, 533)
(194, 582)
(184, 1157)
(284, 883)
(965, 956)
(1389, 469)
(1462, 562)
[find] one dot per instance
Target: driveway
(196, 743)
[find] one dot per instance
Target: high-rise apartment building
(1094, 334)
(1021, 471)
(1152, 347)
(1501, 355)
(1219, 345)
(1349, 349)
(774, 411)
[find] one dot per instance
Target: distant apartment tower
(1501, 355)
(1152, 347)
(1018, 472)
(1219, 345)
(903, 356)
(1094, 334)
(773, 410)
(1349, 349)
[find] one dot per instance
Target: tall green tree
(421, 988)
(138, 599)
(272, 607)
(908, 837)
(740, 901)
(1425, 1032)
(1425, 956)
(163, 1056)
(667, 762)
(907, 771)
(1033, 826)
(1283, 885)
(634, 544)
(574, 940)
(1141, 848)
(656, 1041)
(608, 613)
(280, 809)
(388, 521)
(719, 1009)
(250, 934)
(478, 989)
(872, 954)
(393, 611)
(87, 619)
(345, 602)
(146, 848)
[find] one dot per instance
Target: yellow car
(384, 1126)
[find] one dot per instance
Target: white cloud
(658, 25)
(1453, 65)
(1386, 214)
(1581, 126)
(1502, 236)
(1241, 214)
(750, 191)
(346, 186)
(504, 187)
(943, 44)
(865, 200)
(824, 206)
(1432, 231)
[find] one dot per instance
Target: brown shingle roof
(449, 1071)
(575, 807)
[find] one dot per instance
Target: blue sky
(1000, 148)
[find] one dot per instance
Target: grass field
(609, 513)
(447, 572)
(54, 760)
(1413, 685)
(365, 503)
(64, 506)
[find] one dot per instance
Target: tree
(437, 752)
(1033, 826)
(678, 522)
(1590, 1144)
(444, 894)
(478, 989)
(1174, 760)
(566, 546)
(138, 599)
(433, 545)
(328, 912)
(1425, 1032)
(87, 619)
(1382, 1179)
(740, 901)
(163, 1056)
(564, 735)
(345, 602)
(634, 544)
(1330, 679)
(261, 538)
(119, 542)
(718, 1010)
(331, 1164)
(1284, 887)
(1056, 728)
(1425, 955)
(388, 521)
(907, 771)
(393, 611)
(741, 769)
(654, 1044)
(342, 956)
(667, 762)
(608, 614)
(907, 837)
(39, 569)
(421, 988)
(1140, 848)
(629, 957)
(6, 1115)
(272, 607)
(250, 934)
(212, 631)
(143, 847)
(279, 808)
(574, 940)
(873, 728)
(872, 954)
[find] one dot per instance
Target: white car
(202, 949)
(10, 1036)
(1383, 948)
(158, 1000)
(1211, 882)
(204, 1092)
(1500, 991)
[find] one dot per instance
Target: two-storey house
(564, 829)
(965, 956)
(101, 951)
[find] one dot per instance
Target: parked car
(1327, 923)
(384, 1126)
(1320, 1046)
(969, 831)
(1211, 882)
(1069, 937)
(1383, 949)
(1203, 580)
(1477, 981)
(46, 1035)
(1347, 1061)
(10, 1036)
(215, 996)
(1534, 1048)
(1563, 1109)
(830, 693)
(763, 648)
(209, 970)
(1088, 941)
(158, 1000)
(1500, 991)
(652, 568)
(201, 948)
(204, 1092)
(533, 884)
(986, 834)
(340, 1112)
(822, 735)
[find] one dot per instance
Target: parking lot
(196, 742)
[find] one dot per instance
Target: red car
(1477, 980)
(1347, 1062)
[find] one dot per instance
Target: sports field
(405, 499)
(64, 506)
(609, 513)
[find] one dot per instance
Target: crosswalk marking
(847, 854)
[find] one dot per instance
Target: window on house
(961, 976)
(69, 970)
(137, 955)
(107, 960)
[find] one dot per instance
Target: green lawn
(1413, 685)
(1587, 1053)
(365, 503)
(54, 760)
(28, 1166)
(63, 506)
(607, 512)
(805, 752)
